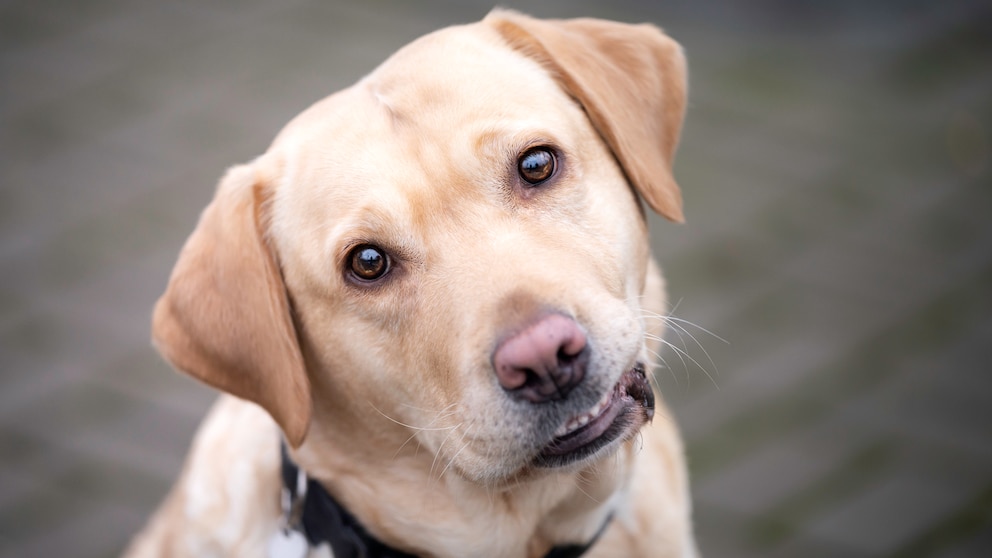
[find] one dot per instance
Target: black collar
(311, 510)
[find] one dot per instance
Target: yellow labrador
(435, 289)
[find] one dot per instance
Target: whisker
(680, 327)
(455, 404)
(414, 435)
(417, 428)
(679, 353)
(578, 485)
(437, 454)
(676, 328)
(452, 459)
(442, 414)
(660, 362)
(697, 326)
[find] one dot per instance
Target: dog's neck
(557, 507)
(311, 512)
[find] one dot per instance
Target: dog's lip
(620, 413)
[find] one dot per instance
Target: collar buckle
(292, 502)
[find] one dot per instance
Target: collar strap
(321, 519)
(312, 511)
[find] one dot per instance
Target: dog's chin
(617, 417)
(581, 437)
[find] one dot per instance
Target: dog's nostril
(543, 362)
(566, 358)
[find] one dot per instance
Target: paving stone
(838, 238)
(116, 424)
(812, 331)
(764, 479)
(930, 414)
(973, 547)
(888, 514)
(14, 487)
(722, 533)
(86, 536)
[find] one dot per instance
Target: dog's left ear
(225, 316)
(631, 80)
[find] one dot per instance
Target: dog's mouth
(618, 415)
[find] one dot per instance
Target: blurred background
(836, 168)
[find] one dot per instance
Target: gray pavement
(836, 167)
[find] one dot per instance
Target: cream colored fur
(386, 393)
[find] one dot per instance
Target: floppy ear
(631, 81)
(225, 317)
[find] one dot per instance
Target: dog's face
(451, 249)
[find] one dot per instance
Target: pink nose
(544, 361)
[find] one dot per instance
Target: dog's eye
(368, 262)
(536, 165)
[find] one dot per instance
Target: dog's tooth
(578, 422)
(600, 406)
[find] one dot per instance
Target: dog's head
(452, 249)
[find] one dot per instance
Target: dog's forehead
(444, 87)
(436, 123)
(470, 65)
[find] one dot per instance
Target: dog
(435, 291)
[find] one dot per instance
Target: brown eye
(368, 262)
(536, 165)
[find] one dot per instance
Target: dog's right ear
(225, 315)
(631, 81)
